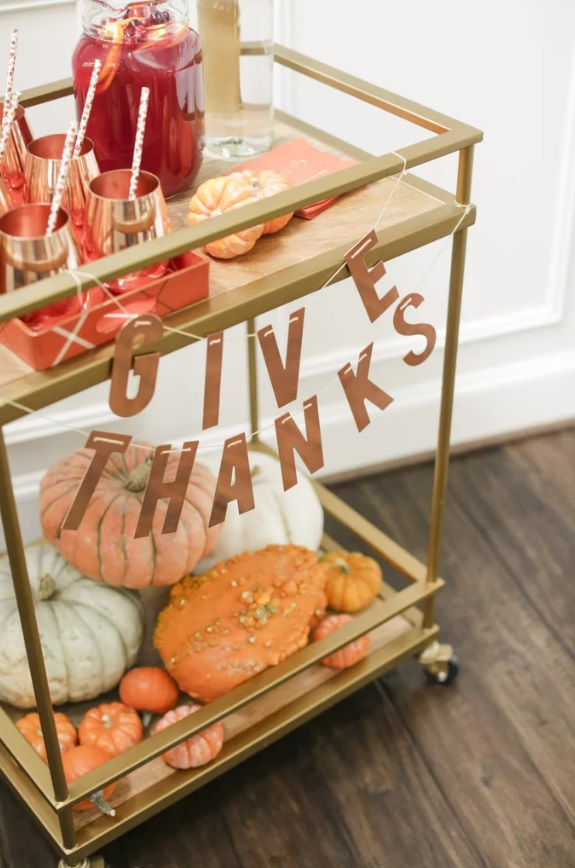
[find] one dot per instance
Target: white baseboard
(488, 404)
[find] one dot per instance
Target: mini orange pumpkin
(264, 184)
(31, 729)
(79, 761)
(246, 614)
(353, 580)
(112, 727)
(149, 688)
(217, 196)
(349, 654)
(196, 751)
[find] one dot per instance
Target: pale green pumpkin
(90, 632)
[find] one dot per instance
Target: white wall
(506, 68)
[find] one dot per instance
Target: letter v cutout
(284, 378)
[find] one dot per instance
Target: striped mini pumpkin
(196, 751)
(350, 654)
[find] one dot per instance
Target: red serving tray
(68, 336)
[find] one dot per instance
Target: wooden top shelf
(282, 267)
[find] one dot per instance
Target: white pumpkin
(280, 517)
(90, 632)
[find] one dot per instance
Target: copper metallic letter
(359, 388)
(420, 328)
(105, 444)
(284, 378)
(290, 440)
(147, 328)
(234, 480)
(158, 489)
(365, 279)
(213, 383)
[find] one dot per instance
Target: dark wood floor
(406, 774)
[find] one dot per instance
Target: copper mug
(14, 162)
(27, 255)
(42, 170)
(114, 222)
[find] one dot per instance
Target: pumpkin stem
(101, 803)
(342, 565)
(138, 478)
(46, 586)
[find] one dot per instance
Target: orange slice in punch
(115, 32)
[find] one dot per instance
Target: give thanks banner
(283, 364)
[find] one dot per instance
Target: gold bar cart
(402, 622)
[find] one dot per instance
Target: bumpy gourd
(244, 615)
(104, 546)
(293, 517)
(90, 633)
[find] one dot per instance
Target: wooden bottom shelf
(154, 786)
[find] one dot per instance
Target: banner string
(127, 315)
(209, 448)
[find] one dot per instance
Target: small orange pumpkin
(79, 761)
(218, 196)
(353, 580)
(349, 654)
(149, 688)
(196, 751)
(264, 184)
(31, 729)
(112, 727)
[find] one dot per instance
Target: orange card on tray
(298, 161)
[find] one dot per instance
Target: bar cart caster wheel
(439, 663)
(92, 862)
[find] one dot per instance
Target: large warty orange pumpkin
(244, 615)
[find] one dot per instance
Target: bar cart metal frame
(43, 786)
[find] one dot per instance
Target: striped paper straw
(10, 75)
(7, 123)
(62, 176)
(87, 108)
(138, 146)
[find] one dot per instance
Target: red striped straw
(62, 176)
(87, 108)
(139, 144)
(7, 123)
(10, 75)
